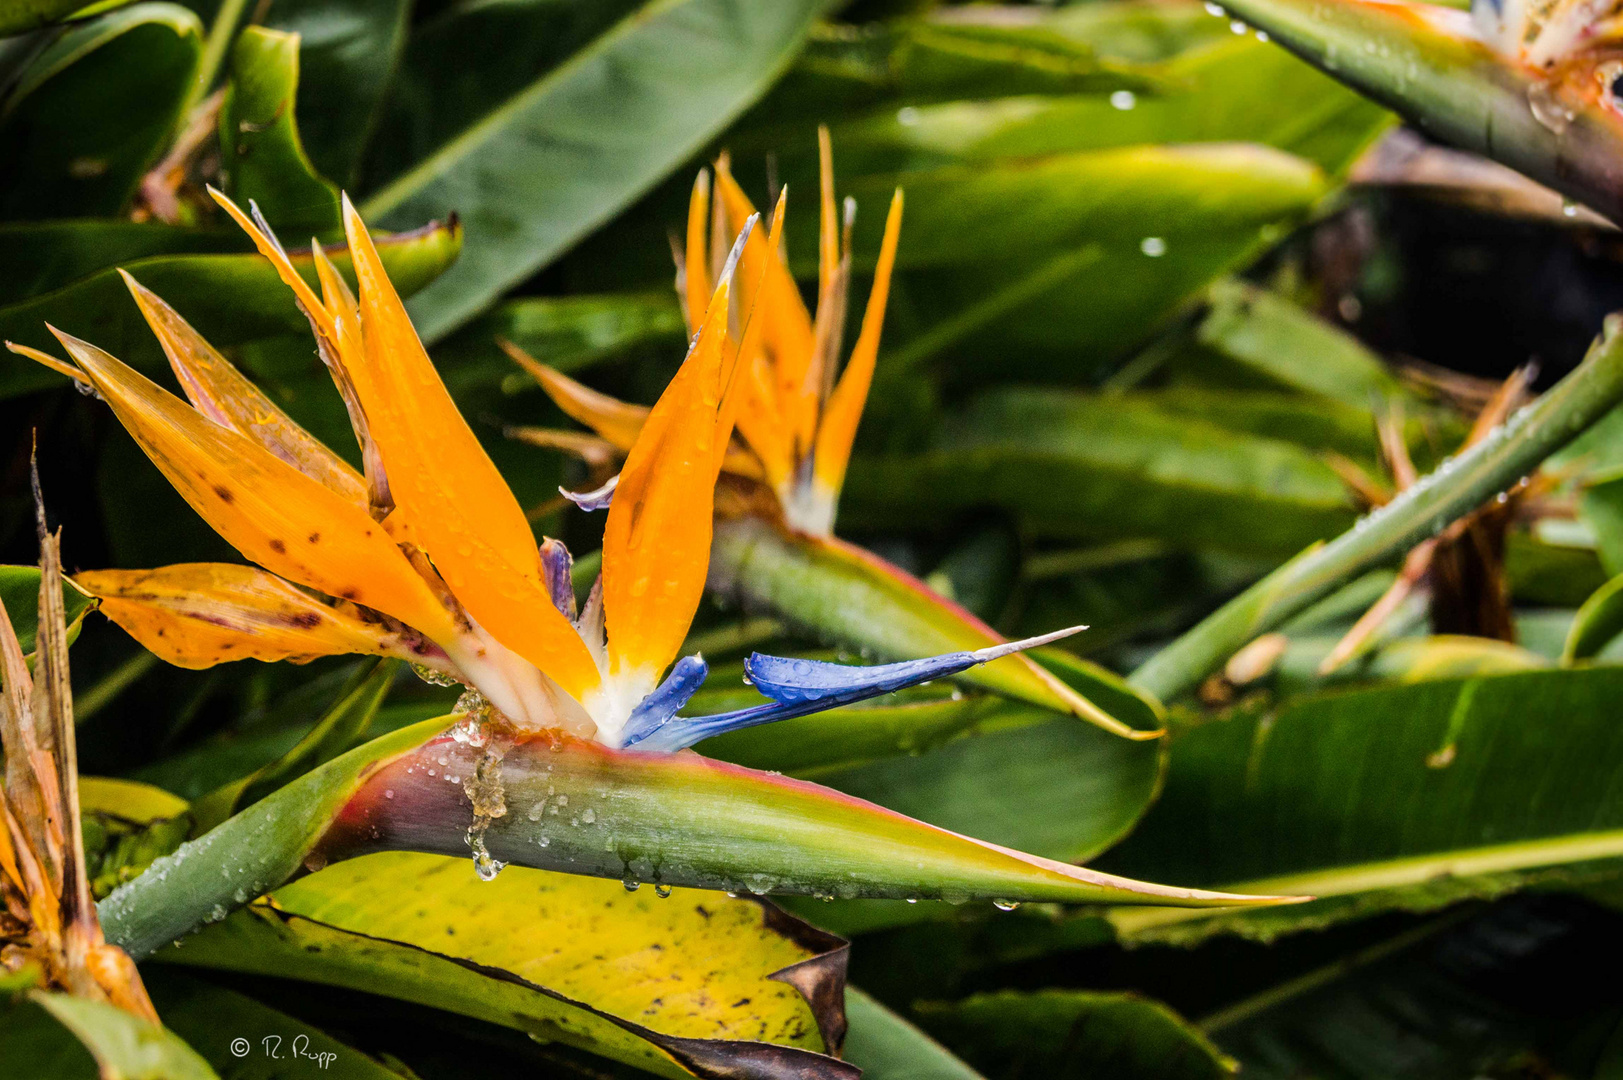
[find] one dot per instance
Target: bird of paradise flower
(796, 424)
(425, 554)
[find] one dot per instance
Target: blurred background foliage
(1152, 304)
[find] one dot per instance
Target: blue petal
(801, 687)
(593, 500)
(667, 699)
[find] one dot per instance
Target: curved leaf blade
(685, 984)
(263, 156)
(672, 71)
(123, 78)
(676, 819)
(231, 299)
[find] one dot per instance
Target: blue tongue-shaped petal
(799, 687)
(667, 699)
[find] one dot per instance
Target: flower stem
(1457, 487)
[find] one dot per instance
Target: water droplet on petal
(1153, 246)
(1123, 100)
(1005, 905)
(662, 891)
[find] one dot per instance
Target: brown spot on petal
(313, 537)
(223, 492)
(278, 547)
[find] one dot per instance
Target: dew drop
(1213, 8)
(388, 793)
(588, 815)
(1005, 905)
(1569, 208)
(662, 891)
(1153, 246)
(1238, 27)
(631, 884)
(1123, 100)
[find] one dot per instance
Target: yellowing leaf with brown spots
(694, 984)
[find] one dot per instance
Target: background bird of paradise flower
(1114, 387)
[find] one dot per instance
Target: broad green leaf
(678, 984)
(1280, 342)
(19, 591)
(122, 77)
(1312, 423)
(126, 1047)
(1073, 1034)
(1597, 623)
(348, 52)
(1165, 220)
(231, 299)
(846, 593)
(1405, 797)
(560, 803)
(552, 161)
(1230, 90)
(1451, 999)
(45, 255)
(566, 332)
(17, 16)
(220, 1023)
(846, 69)
(262, 156)
(1558, 575)
(886, 1047)
(1076, 465)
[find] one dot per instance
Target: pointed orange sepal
(656, 544)
(196, 615)
(265, 508)
(838, 428)
(618, 422)
(456, 504)
(696, 284)
(223, 394)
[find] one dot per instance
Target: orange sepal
(455, 502)
(696, 286)
(265, 508)
(618, 422)
(838, 428)
(656, 544)
(196, 615)
(786, 328)
(223, 394)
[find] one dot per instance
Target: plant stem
(1458, 486)
(221, 33)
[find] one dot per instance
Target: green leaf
(1403, 797)
(122, 77)
(1067, 1034)
(1597, 623)
(348, 52)
(1602, 506)
(231, 299)
(552, 162)
(45, 255)
(886, 1047)
(17, 16)
(262, 156)
(566, 332)
(1280, 342)
(1455, 996)
(219, 1022)
(676, 819)
(19, 591)
(126, 1047)
(843, 592)
(357, 706)
(679, 984)
(1077, 465)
